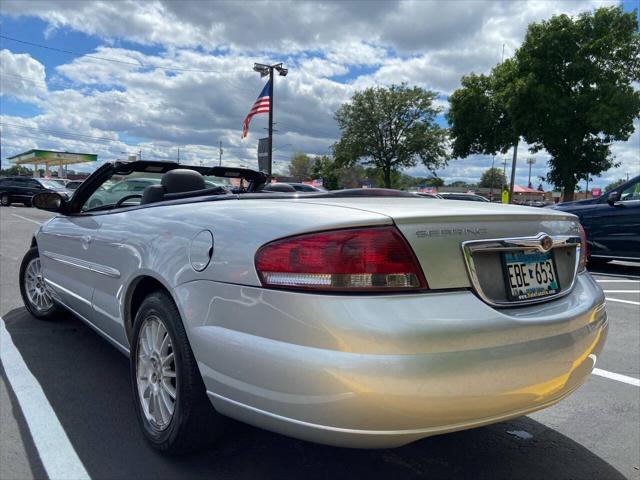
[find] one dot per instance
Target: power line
(58, 132)
(114, 60)
(26, 79)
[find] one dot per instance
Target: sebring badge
(450, 232)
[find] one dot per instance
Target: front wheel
(35, 292)
(4, 200)
(170, 397)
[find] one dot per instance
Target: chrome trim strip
(57, 287)
(518, 243)
(83, 264)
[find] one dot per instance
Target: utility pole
(530, 162)
(220, 162)
(513, 170)
(493, 160)
(140, 154)
(504, 172)
(267, 70)
(178, 154)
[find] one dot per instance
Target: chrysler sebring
(359, 318)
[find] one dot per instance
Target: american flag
(261, 105)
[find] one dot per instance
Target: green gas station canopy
(50, 157)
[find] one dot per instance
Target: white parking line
(617, 377)
(58, 457)
(617, 281)
(621, 291)
(27, 219)
(630, 302)
(618, 275)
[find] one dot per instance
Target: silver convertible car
(358, 318)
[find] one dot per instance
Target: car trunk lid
(437, 230)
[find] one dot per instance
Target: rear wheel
(171, 400)
(35, 292)
(4, 200)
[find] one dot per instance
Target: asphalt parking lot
(76, 386)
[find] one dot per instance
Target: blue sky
(74, 102)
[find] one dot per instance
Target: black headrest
(182, 180)
(152, 194)
(278, 187)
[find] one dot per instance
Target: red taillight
(358, 259)
(583, 249)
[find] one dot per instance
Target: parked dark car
(305, 187)
(73, 184)
(427, 195)
(22, 189)
(470, 197)
(612, 222)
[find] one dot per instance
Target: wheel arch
(138, 289)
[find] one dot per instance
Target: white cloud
(21, 76)
(428, 43)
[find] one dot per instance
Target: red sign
(596, 192)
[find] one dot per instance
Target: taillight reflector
(583, 249)
(357, 259)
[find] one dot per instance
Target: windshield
(52, 184)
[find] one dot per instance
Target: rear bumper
(385, 371)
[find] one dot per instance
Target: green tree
(16, 170)
(458, 183)
(301, 166)
(615, 184)
(390, 129)
(480, 113)
(492, 177)
(575, 90)
(479, 122)
(326, 169)
(434, 182)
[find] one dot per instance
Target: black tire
(194, 424)
(33, 308)
(5, 201)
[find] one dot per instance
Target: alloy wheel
(156, 373)
(36, 288)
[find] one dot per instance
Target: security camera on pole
(264, 104)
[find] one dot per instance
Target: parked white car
(358, 318)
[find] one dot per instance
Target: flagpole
(270, 165)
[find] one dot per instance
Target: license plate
(530, 275)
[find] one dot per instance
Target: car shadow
(87, 383)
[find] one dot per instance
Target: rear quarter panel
(157, 241)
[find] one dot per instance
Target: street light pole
(267, 70)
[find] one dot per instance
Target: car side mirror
(50, 201)
(612, 198)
